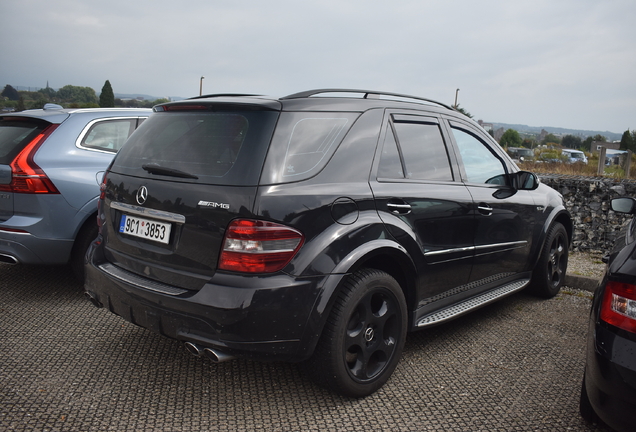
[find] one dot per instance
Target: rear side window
(107, 135)
(15, 134)
(216, 147)
(414, 147)
(303, 144)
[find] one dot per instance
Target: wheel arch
(385, 255)
(560, 215)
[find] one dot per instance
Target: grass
(578, 169)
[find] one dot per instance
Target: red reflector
(619, 305)
(14, 230)
(184, 107)
(27, 176)
(253, 246)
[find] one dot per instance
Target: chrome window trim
(80, 138)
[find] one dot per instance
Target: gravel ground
(515, 365)
(587, 264)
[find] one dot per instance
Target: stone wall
(588, 200)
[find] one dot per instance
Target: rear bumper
(264, 318)
(25, 248)
(610, 377)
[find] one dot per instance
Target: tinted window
(108, 135)
(480, 164)
(216, 147)
(423, 151)
(390, 161)
(15, 134)
(303, 144)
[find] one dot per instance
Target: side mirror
(524, 180)
(624, 205)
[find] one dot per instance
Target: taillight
(253, 246)
(619, 305)
(27, 177)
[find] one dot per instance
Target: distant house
(595, 146)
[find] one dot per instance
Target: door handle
(399, 209)
(485, 209)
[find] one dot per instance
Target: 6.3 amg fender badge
(214, 205)
(142, 195)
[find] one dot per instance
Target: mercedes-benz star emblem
(142, 195)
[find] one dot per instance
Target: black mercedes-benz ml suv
(319, 227)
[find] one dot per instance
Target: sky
(559, 63)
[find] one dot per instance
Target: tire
(84, 238)
(363, 338)
(549, 274)
(585, 407)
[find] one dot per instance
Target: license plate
(144, 228)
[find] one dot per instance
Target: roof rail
(368, 94)
(223, 95)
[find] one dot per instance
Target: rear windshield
(216, 147)
(15, 134)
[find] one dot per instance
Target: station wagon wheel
(549, 274)
(84, 238)
(364, 335)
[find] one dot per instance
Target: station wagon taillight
(253, 246)
(619, 305)
(27, 176)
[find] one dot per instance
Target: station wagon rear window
(15, 134)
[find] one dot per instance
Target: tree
(510, 138)
(10, 93)
(587, 144)
(571, 141)
(627, 141)
(463, 111)
(79, 95)
(600, 138)
(550, 139)
(20, 106)
(107, 97)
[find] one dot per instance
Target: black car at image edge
(608, 392)
(320, 228)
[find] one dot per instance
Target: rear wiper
(154, 168)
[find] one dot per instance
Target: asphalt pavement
(65, 365)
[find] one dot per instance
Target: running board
(472, 303)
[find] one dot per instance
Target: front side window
(107, 135)
(480, 164)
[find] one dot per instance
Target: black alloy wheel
(364, 335)
(549, 274)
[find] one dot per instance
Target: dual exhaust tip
(214, 355)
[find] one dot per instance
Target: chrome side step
(472, 303)
(133, 279)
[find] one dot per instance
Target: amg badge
(214, 205)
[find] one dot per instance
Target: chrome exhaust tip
(193, 349)
(8, 259)
(93, 299)
(217, 356)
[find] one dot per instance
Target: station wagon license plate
(144, 228)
